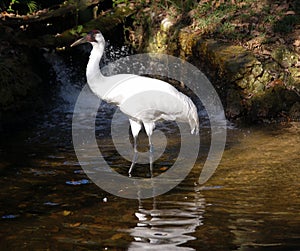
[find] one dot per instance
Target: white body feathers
(145, 100)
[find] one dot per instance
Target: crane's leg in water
(135, 129)
(135, 156)
(151, 149)
(149, 127)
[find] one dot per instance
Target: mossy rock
(186, 43)
(255, 89)
(266, 104)
(234, 103)
(285, 57)
(293, 81)
(294, 112)
(232, 61)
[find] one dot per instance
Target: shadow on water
(252, 201)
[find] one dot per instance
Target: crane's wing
(148, 100)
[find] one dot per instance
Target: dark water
(252, 201)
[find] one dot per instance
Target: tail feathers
(194, 124)
(193, 118)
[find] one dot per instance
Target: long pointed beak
(79, 41)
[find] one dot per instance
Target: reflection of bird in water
(171, 226)
(144, 100)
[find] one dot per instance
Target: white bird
(144, 100)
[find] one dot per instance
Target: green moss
(257, 70)
(234, 103)
(295, 78)
(284, 56)
(268, 103)
(258, 86)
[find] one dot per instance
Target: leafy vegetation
(77, 30)
(237, 21)
(20, 6)
(117, 2)
(23, 7)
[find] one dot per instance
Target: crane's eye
(91, 36)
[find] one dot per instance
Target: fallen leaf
(66, 213)
(277, 82)
(297, 43)
(290, 12)
(266, 52)
(77, 224)
(117, 236)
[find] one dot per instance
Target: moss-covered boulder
(254, 90)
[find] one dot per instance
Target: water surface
(251, 202)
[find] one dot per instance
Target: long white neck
(93, 73)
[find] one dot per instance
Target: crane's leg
(149, 127)
(151, 149)
(135, 156)
(135, 129)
